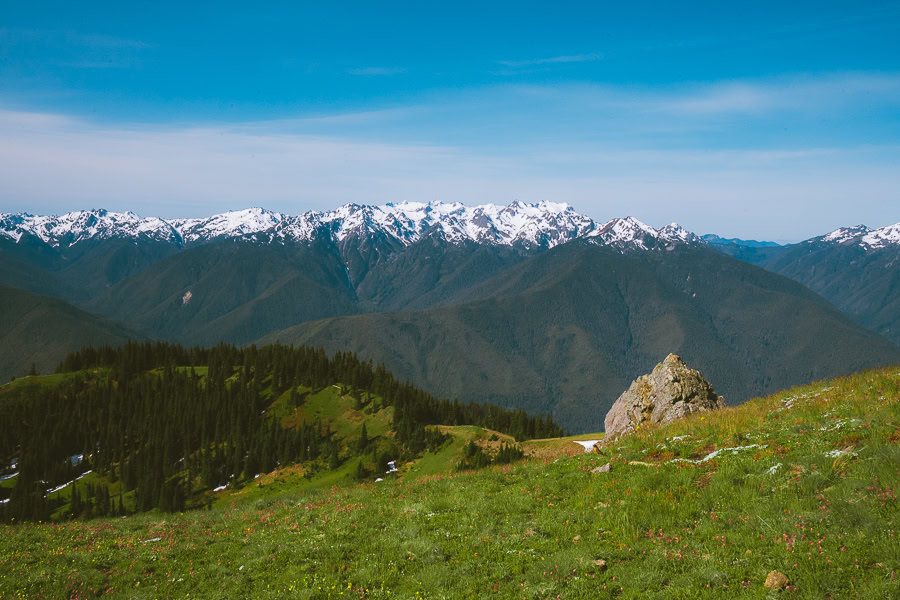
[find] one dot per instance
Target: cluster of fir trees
(95, 502)
(312, 367)
(142, 414)
(474, 456)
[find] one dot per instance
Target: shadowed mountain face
(566, 330)
(531, 306)
(854, 268)
(230, 291)
(865, 285)
(41, 331)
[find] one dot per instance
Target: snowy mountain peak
(234, 223)
(870, 239)
(626, 232)
(883, 236)
(535, 225)
(673, 232)
(845, 234)
(73, 227)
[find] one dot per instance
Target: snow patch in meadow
(715, 453)
(220, 488)
(839, 424)
(839, 452)
(67, 484)
(587, 444)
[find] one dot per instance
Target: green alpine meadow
(449, 300)
(802, 483)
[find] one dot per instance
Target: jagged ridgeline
(160, 424)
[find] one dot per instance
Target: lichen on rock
(671, 391)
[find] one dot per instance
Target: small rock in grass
(603, 469)
(776, 580)
(601, 564)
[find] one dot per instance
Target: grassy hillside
(565, 332)
(331, 405)
(40, 330)
(177, 436)
(804, 482)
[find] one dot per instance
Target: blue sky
(768, 120)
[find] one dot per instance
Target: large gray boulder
(671, 391)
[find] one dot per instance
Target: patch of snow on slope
(628, 231)
(65, 485)
(883, 236)
(234, 223)
(842, 235)
(588, 445)
(673, 232)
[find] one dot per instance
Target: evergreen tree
(363, 439)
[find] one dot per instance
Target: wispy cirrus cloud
(71, 49)
(68, 37)
(52, 163)
(376, 71)
(803, 93)
(105, 41)
(568, 58)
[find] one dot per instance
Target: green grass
(202, 371)
(329, 406)
(444, 460)
(667, 528)
(47, 380)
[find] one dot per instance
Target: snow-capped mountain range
(870, 239)
(544, 224)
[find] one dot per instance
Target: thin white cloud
(694, 104)
(376, 71)
(570, 58)
(73, 49)
(69, 37)
(53, 163)
(104, 41)
(801, 93)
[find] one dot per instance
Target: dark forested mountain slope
(567, 329)
(79, 272)
(40, 331)
(231, 291)
(855, 268)
(432, 272)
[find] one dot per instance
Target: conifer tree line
(141, 414)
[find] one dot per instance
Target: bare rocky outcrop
(671, 391)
